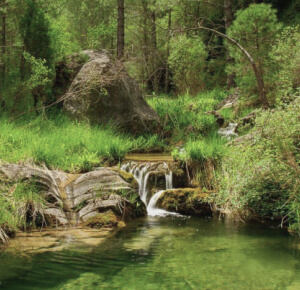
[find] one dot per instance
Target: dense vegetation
(187, 56)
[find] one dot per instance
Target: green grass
(60, 143)
(184, 116)
(210, 148)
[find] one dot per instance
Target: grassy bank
(185, 117)
(61, 143)
(260, 177)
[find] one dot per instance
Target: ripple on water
(166, 253)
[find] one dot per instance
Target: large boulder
(103, 92)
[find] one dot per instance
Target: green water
(166, 253)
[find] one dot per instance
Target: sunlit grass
(186, 116)
(61, 143)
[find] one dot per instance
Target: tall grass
(60, 143)
(211, 148)
(185, 116)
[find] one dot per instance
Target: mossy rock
(188, 201)
(128, 177)
(106, 219)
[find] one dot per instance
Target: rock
(57, 214)
(55, 240)
(230, 101)
(103, 92)
(72, 199)
(106, 219)
(188, 201)
(91, 185)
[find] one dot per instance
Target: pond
(165, 253)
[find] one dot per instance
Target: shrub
(261, 179)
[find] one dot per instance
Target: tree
(35, 32)
(229, 17)
(187, 61)
(255, 30)
(121, 30)
(3, 41)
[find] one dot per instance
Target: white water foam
(141, 173)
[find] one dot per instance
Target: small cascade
(141, 172)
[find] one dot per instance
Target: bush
(261, 179)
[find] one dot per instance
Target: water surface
(165, 253)
(149, 157)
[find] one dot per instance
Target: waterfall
(141, 172)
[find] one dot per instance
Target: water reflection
(167, 253)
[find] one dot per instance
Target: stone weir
(153, 179)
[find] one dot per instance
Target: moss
(191, 201)
(128, 177)
(106, 219)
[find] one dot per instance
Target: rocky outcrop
(187, 201)
(103, 92)
(72, 199)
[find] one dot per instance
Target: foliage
(185, 116)
(261, 179)
(255, 28)
(286, 57)
(210, 148)
(187, 61)
(35, 32)
(39, 72)
(59, 143)
(22, 206)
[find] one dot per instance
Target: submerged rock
(188, 201)
(103, 92)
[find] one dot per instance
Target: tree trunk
(257, 72)
(228, 13)
(168, 52)
(121, 30)
(3, 45)
(155, 72)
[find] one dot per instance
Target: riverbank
(253, 176)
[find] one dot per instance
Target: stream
(165, 253)
(161, 251)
